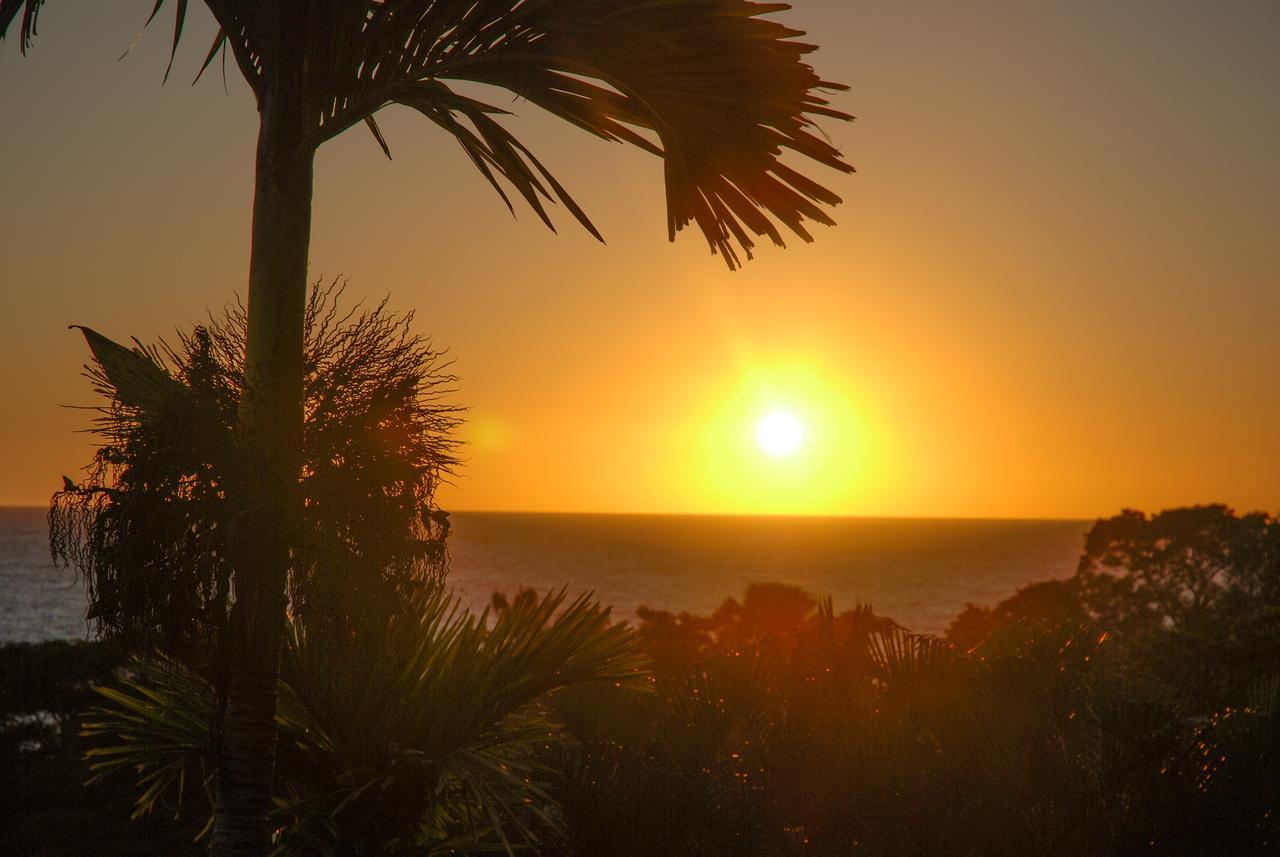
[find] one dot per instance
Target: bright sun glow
(787, 436)
(780, 433)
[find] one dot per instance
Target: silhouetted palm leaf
(721, 89)
(135, 376)
(30, 10)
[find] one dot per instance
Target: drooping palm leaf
(723, 89)
(716, 88)
(30, 10)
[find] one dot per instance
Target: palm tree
(711, 86)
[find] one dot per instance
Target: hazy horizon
(452, 510)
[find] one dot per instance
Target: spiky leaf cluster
(419, 733)
(147, 527)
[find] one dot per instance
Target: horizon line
(821, 515)
(1032, 518)
(652, 514)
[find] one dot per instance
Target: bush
(148, 526)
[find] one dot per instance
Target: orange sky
(1052, 292)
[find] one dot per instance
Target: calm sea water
(919, 571)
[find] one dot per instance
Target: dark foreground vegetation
(1131, 709)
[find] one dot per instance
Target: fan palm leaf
(417, 733)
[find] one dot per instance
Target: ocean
(921, 572)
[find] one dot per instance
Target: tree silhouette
(713, 87)
(146, 527)
(1180, 568)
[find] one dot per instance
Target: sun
(786, 436)
(780, 433)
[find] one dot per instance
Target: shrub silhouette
(420, 732)
(148, 526)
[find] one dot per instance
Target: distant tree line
(1195, 592)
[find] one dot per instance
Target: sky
(1053, 289)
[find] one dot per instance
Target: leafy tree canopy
(1178, 568)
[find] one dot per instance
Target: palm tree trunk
(270, 440)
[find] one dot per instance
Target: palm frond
(717, 88)
(491, 148)
(135, 375)
(30, 10)
(155, 725)
(723, 89)
(430, 722)
(900, 657)
(243, 25)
